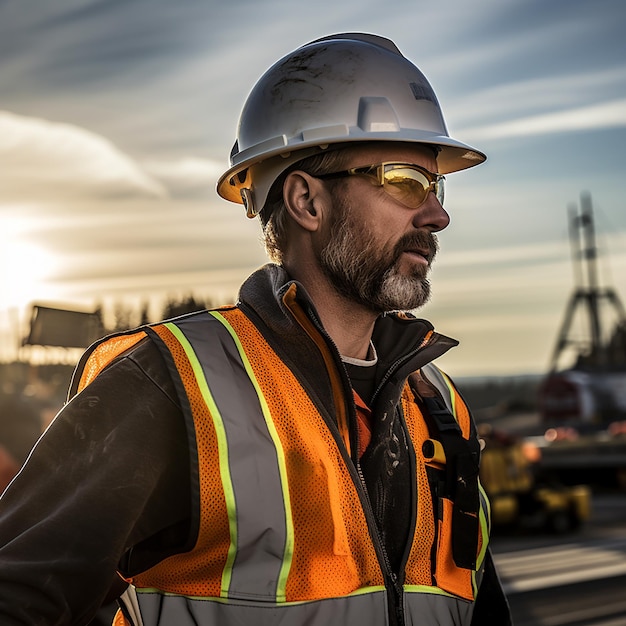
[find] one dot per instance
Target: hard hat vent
(376, 115)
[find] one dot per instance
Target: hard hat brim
(453, 155)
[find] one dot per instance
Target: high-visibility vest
(286, 534)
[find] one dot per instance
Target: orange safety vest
(286, 534)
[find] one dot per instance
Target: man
(295, 458)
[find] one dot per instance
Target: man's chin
(404, 293)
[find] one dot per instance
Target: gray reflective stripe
(260, 553)
(428, 605)
(422, 605)
(434, 376)
(365, 609)
(130, 603)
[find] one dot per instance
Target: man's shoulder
(118, 356)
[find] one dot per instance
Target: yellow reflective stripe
(484, 519)
(364, 590)
(427, 589)
(281, 591)
(222, 445)
(486, 512)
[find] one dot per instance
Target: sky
(117, 117)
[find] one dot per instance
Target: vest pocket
(448, 575)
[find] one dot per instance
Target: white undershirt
(371, 360)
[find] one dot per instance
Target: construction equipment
(590, 393)
(583, 405)
(520, 495)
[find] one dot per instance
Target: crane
(593, 389)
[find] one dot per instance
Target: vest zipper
(394, 595)
(393, 584)
(429, 340)
(398, 579)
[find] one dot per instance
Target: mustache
(422, 241)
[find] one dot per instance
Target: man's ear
(303, 196)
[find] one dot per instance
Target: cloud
(39, 158)
(523, 253)
(539, 95)
(595, 117)
(187, 174)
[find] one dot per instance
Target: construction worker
(295, 458)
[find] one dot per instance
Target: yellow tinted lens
(406, 185)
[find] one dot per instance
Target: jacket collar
(396, 336)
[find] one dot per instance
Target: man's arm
(111, 471)
(491, 607)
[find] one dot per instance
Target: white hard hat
(336, 90)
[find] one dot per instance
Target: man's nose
(431, 215)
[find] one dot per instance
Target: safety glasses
(407, 183)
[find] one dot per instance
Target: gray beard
(366, 275)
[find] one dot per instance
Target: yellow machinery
(510, 476)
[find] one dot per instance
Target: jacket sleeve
(111, 471)
(491, 606)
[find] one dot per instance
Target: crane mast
(588, 299)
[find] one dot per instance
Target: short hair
(274, 215)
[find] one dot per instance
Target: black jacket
(107, 487)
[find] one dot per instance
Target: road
(578, 579)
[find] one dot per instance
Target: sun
(25, 266)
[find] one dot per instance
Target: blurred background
(117, 117)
